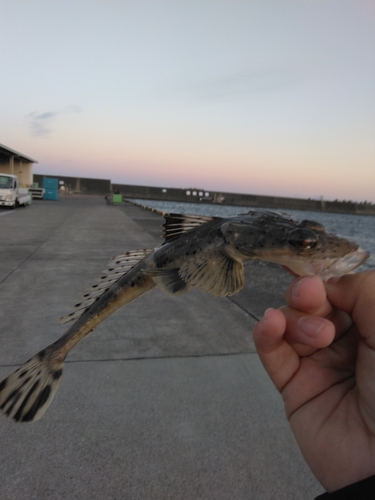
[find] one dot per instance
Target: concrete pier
(166, 399)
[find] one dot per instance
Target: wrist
(363, 490)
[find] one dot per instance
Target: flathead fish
(202, 252)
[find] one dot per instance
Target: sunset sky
(259, 96)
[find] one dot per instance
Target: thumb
(278, 357)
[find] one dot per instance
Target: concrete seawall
(236, 199)
(197, 195)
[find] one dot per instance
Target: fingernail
(265, 314)
(267, 311)
(311, 327)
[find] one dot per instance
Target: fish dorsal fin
(176, 224)
(214, 273)
(117, 267)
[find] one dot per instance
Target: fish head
(303, 247)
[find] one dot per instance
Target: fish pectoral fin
(168, 280)
(214, 273)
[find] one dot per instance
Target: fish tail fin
(26, 394)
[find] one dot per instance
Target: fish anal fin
(214, 273)
(118, 267)
(79, 309)
(176, 224)
(168, 280)
(129, 258)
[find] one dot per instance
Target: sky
(273, 97)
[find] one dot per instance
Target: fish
(201, 252)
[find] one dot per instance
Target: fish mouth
(327, 268)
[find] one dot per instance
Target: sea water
(358, 228)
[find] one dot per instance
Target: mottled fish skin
(202, 252)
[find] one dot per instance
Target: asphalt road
(166, 399)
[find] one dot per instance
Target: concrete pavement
(165, 400)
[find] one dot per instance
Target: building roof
(11, 152)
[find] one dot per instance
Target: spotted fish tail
(27, 393)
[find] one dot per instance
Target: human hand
(320, 353)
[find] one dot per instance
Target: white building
(14, 163)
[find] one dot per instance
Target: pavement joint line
(36, 249)
(244, 309)
(145, 358)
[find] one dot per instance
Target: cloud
(245, 84)
(45, 116)
(40, 124)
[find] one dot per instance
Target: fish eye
(303, 239)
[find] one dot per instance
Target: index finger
(309, 294)
(355, 294)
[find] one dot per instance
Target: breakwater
(200, 195)
(195, 195)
